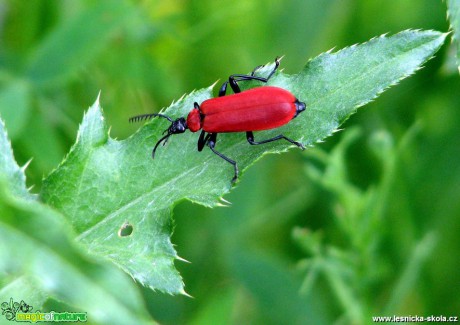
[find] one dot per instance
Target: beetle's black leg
(235, 78)
(250, 138)
(257, 68)
(212, 144)
(223, 89)
(233, 81)
(277, 64)
(202, 140)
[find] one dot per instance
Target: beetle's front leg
(202, 140)
(211, 144)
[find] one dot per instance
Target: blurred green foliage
(365, 224)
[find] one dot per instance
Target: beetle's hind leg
(277, 64)
(235, 78)
(250, 138)
(257, 68)
(233, 81)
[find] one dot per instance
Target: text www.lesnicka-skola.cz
(414, 319)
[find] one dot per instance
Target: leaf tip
(24, 167)
(93, 130)
(183, 292)
(214, 84)
(98, 98)
(182, 259)
(224, 203)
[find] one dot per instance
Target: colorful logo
(23, 312)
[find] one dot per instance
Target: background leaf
(35, 242)
(15, 106)
(104, 184)
(10, 172)
(77, 42)
(453, 12)
(24, 288)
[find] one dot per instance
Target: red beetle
(257, 109)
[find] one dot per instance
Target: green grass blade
(421, 253)
(105, 184)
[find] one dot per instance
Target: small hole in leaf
(125, 230)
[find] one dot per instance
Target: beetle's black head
(177, 126)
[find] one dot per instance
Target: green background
(282, 252)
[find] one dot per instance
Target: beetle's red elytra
(256, 109)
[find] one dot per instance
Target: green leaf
(9, 169)
(118, 180)
(453, 12)
(36, 248)
(77, 41)
(104, 184)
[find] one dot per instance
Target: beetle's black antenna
(143, 117)
(164, 140)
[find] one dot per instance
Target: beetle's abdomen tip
(299, 107)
